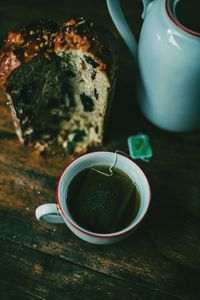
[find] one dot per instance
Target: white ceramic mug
(59, 213)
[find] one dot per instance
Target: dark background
(40, 261)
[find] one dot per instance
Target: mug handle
(49, 213)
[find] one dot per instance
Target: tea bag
(139, 147)
(103, 199)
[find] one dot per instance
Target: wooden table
(160, 261)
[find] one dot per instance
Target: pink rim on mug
(176, 22)
(99, 235)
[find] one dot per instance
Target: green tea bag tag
(139, 147)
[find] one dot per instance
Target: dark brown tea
(187, 12)
(103, 204)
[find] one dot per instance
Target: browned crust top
(47, 37)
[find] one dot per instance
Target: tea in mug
(100, 203)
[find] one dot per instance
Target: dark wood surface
(161, 260)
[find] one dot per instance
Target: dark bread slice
(59, 81)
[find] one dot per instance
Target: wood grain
(161, 260)
(157, 257)
(42, 276)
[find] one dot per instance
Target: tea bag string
(128, 156)
(112, 166)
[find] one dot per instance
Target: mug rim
(81, 229)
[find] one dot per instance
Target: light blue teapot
(168, 57)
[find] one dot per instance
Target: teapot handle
(121, 24)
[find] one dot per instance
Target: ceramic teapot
(168, 59)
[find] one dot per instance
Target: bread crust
(47, 38)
